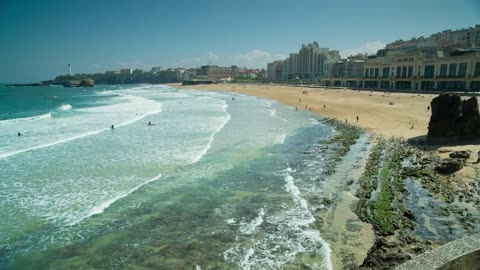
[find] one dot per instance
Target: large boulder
(449, 166)
(452, 117)
(460, 154)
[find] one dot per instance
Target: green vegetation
(347, 135)
(383, 206)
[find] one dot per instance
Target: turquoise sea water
(214, 183)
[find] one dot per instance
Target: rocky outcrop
(87, 83)
(460, 154)
(449, 166)
(452, 117)
(80, 83)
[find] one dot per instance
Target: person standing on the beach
(428, 108)
(346, 122)
(357, 118)
(324, 106)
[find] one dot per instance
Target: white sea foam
(212, 136)
(12, 153)
(37, 117)
(131, 101)
(65, 107)
(288, 234)
(98, 209)
(249, 228)
(280, 139)
(273, 113)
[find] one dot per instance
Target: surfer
(19, 134)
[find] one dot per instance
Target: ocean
(217, 181)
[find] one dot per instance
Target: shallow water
(214, 183)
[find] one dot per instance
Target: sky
(38, 39)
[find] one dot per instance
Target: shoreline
(385, 213)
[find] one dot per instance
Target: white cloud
(255, 59)
(209, 59)
(369, 48)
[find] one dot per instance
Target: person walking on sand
(324, 106)
(346, 122)
(357, 118)
(428, 108)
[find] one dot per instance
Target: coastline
(378, 235)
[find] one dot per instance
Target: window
(462, 70)
(399, 72)
(366, 73)
(410, 71)
(476, 72)
(376, 72)
(452, 71)
(404, 72)
(371, 73)
(443, 70)
(385, 72)
(429, 71)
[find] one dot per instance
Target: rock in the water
(449, 166)
(87, 83)
(452, 117)
(460, 154)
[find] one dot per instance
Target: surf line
(12, 153)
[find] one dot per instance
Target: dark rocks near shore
(449, 165)
(454, 117)
(460, 154)
(80, 83)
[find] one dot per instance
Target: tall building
(308, 63)
(276, 70)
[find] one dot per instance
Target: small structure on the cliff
(453, 117)
(80, 83)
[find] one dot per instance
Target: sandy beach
(385, 114)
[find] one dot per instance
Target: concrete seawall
(461, 254)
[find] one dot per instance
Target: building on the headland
(309, 63)
(216, 72)
(155, 70)
(466, 38)
(126, 71)
(112, 72)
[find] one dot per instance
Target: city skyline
(41, 40)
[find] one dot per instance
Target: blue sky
(39, 38)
